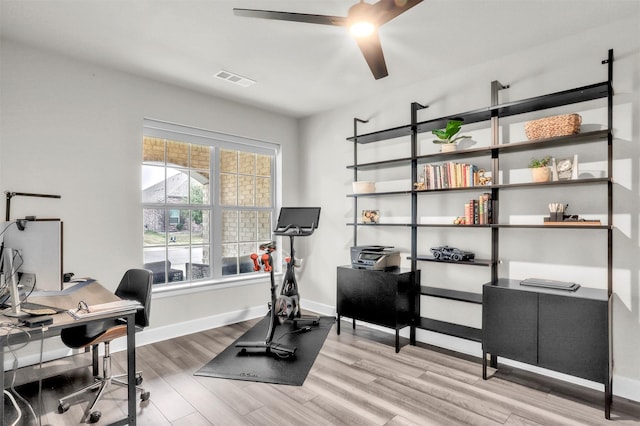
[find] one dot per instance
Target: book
(104, 309)
(467, 214)
(474, 207)
(486, 208)
(452, 175)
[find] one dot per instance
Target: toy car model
(451, 253)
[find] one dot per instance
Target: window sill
(168, 290)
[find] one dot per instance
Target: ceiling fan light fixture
(362, 29)
(361, 21)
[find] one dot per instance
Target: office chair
(135, 285)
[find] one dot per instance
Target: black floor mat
(258, 366)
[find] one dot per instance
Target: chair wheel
(139, 380)
(63, 407)
(144, 396)
(95, 417)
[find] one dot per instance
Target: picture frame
(370, 216)
(566, 168)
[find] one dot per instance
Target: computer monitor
(10, 282)
(303, 217)
(40, 245)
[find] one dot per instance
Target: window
(207, 200)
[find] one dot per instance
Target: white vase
(448, 147)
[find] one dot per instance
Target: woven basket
(551, 127)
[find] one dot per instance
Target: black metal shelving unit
(491, 115)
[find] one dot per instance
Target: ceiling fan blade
(372, 51)
(290, 16)
(386, 10)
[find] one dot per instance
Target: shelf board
(451, 329)
(475, 262)
(461, 296)
(367, 225)
(541, 226)
(595, 136)
(381, 164)
(552, 100)
(480, 188)
(382, 135)
(590, 181)
(449, 225)
(486, 188)
(375, 194)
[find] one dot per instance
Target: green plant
(540, 162)
(446, 136)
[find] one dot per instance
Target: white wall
(567, 63)
(75, 129)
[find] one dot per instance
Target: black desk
(93, 293)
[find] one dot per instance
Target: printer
(375, 258)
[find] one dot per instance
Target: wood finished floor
(357, 379)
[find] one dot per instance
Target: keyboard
(38, 309)
(553, 284)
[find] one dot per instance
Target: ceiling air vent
(235, 78)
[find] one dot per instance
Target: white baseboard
(158, 334)
(626, 388)
(319, 308)
(55, 349)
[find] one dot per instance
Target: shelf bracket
(357, 120)
(498, 85)
(417, 106)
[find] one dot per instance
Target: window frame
(217, 141)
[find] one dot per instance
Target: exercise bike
(292, 222)
(268, 345)
(295, 222)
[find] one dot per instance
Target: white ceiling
(300, 69)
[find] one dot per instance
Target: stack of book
(478, 211)
(450, 175)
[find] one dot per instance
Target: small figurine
(460, 220)
(451, 253)
(482, 179)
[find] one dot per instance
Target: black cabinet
(510, 324)
(383, 298)
(559, 330)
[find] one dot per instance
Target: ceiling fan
(363, 20)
